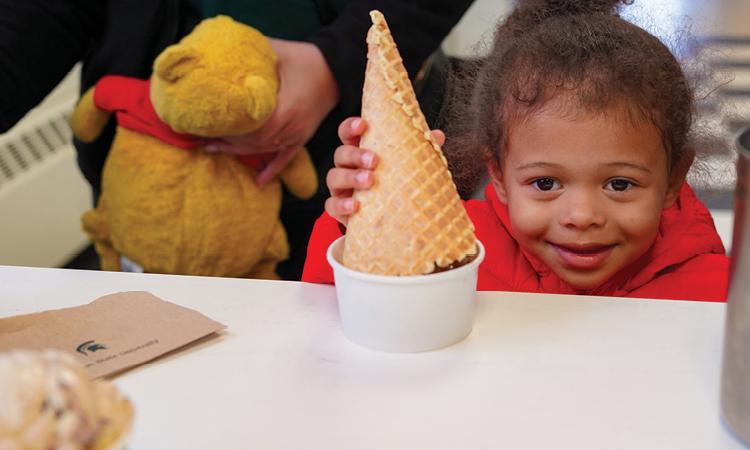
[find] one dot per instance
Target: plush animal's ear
(261, 97)
(176, 61)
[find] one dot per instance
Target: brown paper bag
(110, 334)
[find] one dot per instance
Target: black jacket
(41, 40)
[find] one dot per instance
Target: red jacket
(686, 262)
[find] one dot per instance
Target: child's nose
(581, 210)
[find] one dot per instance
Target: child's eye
(619, 185)
(546, 184)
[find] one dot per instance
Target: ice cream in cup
(406, 270)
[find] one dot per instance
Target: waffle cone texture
(412, 220)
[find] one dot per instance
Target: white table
(538, 371)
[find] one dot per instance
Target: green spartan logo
(90, 347)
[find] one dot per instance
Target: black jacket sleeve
(40, 41)
(418, 27)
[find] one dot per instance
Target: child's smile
(582, 256)
(584, 192)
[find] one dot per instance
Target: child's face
(584, 194)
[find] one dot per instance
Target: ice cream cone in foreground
(47, 401)
(411, 221)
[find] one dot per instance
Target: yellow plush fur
(173, 210)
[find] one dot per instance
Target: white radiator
(42, 192)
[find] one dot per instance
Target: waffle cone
(411, 221)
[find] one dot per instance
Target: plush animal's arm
(95, 224)
(88, 120)
(300, 176)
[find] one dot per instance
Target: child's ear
(176, 61)
(677, 177)
(496, 178)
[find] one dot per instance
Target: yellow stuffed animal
(168, 205)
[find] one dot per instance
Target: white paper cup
(405, 314)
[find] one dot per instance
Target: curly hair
(579, 51)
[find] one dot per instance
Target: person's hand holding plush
(307, 94)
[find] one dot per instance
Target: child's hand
(353, 169)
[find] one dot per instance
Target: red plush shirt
(130, 100)
(686, 262)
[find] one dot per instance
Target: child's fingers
(351, 129)
(353, 157)
(341, 208)
(340, 179)
(439, 136)
(341, 193)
